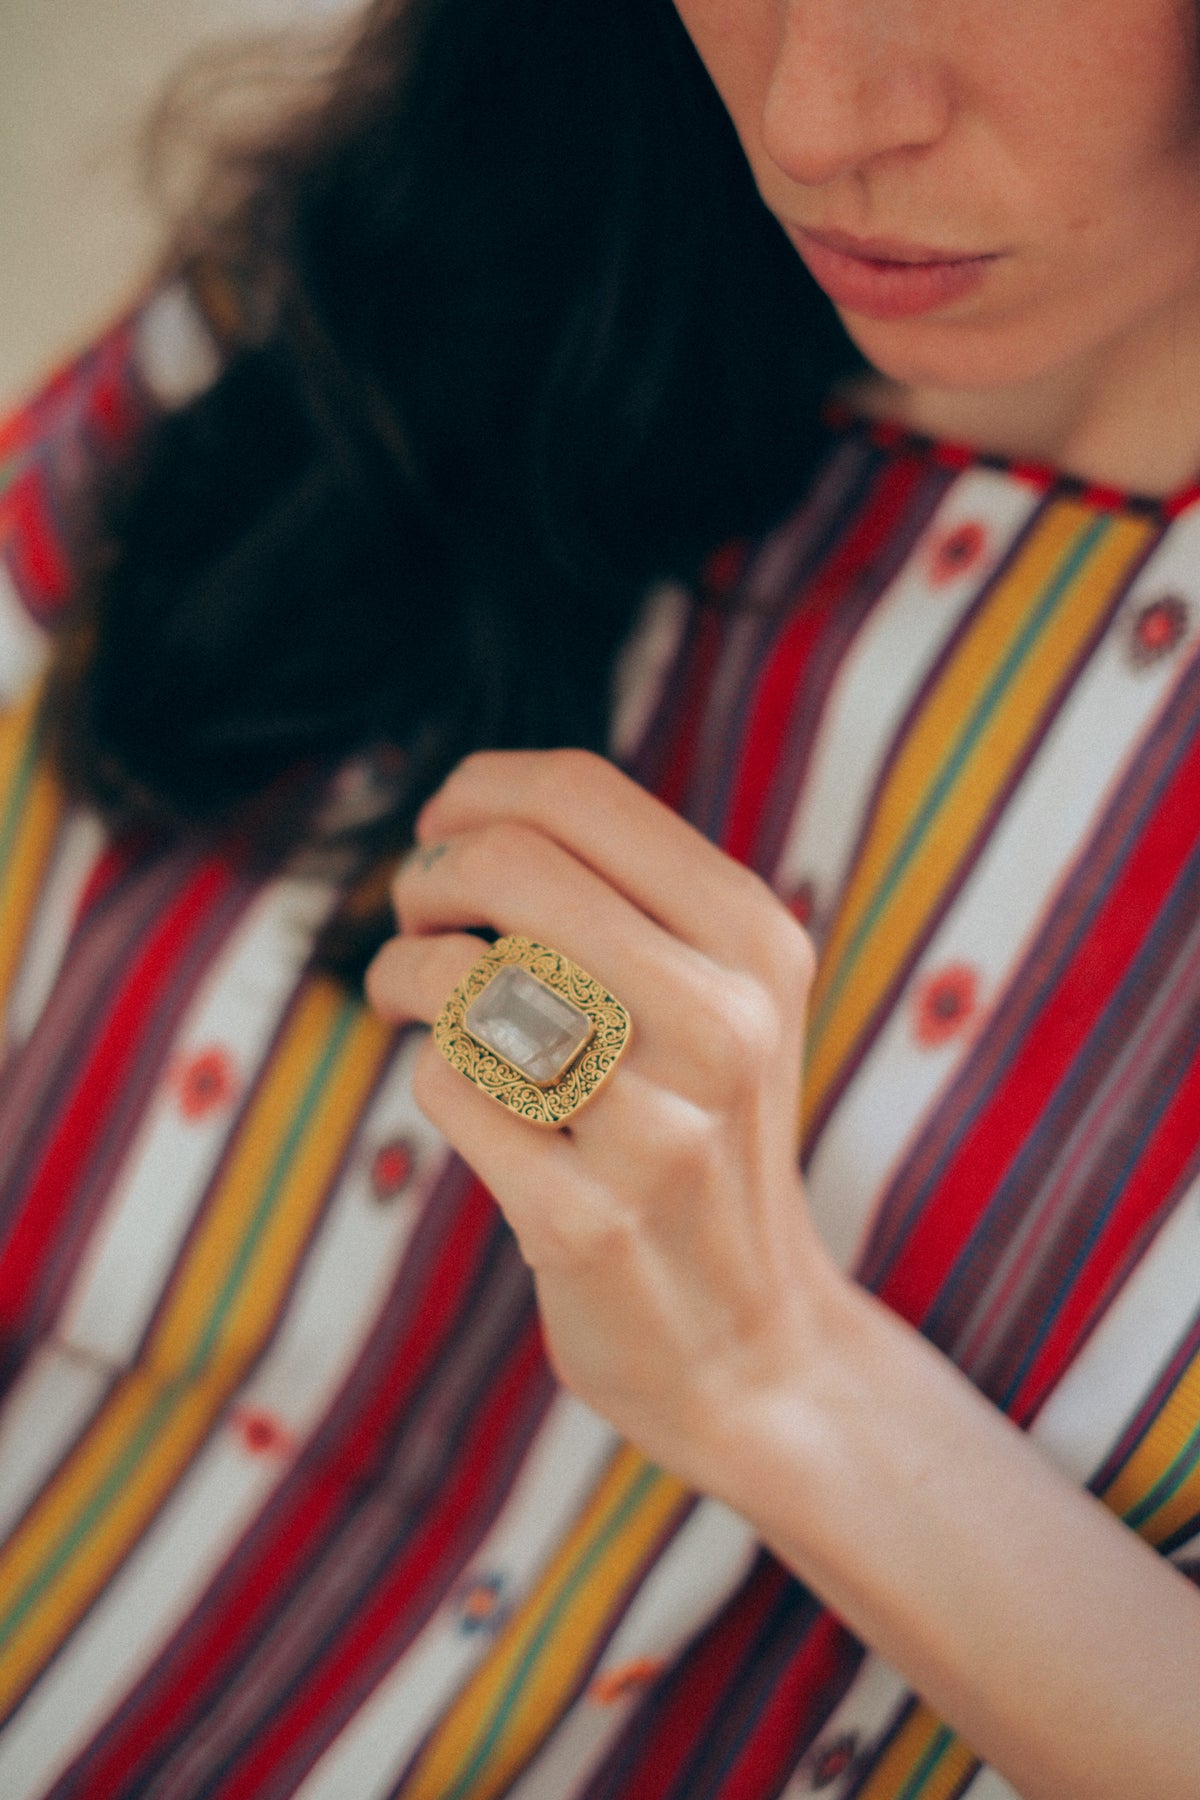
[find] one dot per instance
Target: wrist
(776, 1425)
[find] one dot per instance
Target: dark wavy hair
(507, 336)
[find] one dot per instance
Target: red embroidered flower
(803, 904)
(1158, 629)
(957, 551)
(391, 1167)
(261, 1433)
(205, 1082)
(627, 1678)
(831, 1761)
(481, 1604)
(944, 1002)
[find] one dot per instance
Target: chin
(958, 354)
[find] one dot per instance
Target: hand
(686, 1297)
(666, 1228)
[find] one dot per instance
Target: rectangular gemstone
(529, 1025)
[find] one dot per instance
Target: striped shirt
(289, 1502)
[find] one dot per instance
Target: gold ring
(532, 1030)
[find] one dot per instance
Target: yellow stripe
(219, 1313)
(519, 1692)
(535, 1665)
(220, 1242)
(34, 797)
(892, 891)
(922, 1762)
(1172, 1435)
(898, 882)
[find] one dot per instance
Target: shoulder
(57, 443)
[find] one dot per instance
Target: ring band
(532, 1030)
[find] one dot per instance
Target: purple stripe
(373, 1526)
(739, 687)
(971, 856)
(1061, 941)
(1150, 1409)
(1069, 1175)
(820, 672)
(98, 967)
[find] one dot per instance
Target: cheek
(737, 41)
(1109, 122)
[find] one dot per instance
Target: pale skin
(685, 1294)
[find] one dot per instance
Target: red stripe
(1102, 498)
(1068, 1015)
(771, 708)
(315, 1503)
(93, 394)
(700, 1686)
(97, 382)
(115, 861)
(17, 431)
(1180, 502)
(39, 563)
(112, 401)
(1042, 476)
(800, 1700)
(83, 1116)
(693, 686)
(33, 422)
(370, 1642)
(1164, 1163)
(954, 455)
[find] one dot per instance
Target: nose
(850, 83)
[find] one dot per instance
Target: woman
(310, 1517)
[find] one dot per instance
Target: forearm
(1061, 1647)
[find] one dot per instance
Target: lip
(888, 278)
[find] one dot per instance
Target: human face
(987, 189)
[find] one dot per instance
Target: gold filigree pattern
(503, 1081)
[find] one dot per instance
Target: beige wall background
(77, 78)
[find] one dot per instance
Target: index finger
(630, 838)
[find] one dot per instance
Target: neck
(1124, 415)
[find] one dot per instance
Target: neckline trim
(889, 434)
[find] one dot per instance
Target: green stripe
(18, 794)
(123, 1470)
(1168, 1483)
(10, 470)
(648, 1477)
(992, 695)
(335, 1044)
(927, 1766)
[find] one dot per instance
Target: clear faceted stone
(529, 1025)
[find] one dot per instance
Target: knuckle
(788, 958)
(784, 950)
(751, 1027)
(571, 770)
(592, 1239)
(684, 1146)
